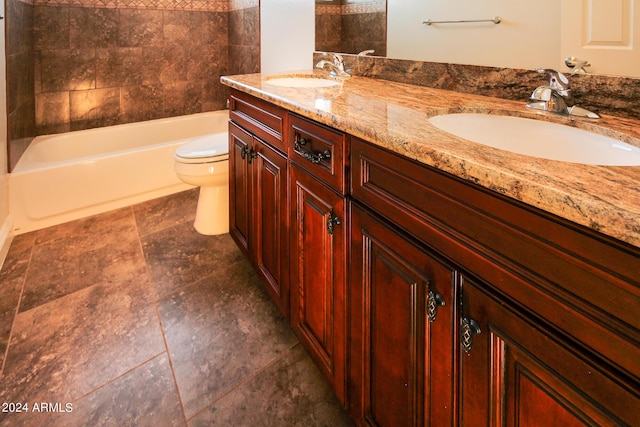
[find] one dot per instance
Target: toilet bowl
(204, 162)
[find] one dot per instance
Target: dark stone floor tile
(179, 256)
(220, 331)
(68, 257)
(12, 276)
(55, 271)
(91, 232)
(22, 242)
(146, 396)
(68, 347)
(290, 392)
(158, 214)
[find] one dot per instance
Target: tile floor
(131, 318)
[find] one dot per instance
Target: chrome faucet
(557, 97)
(336, 67)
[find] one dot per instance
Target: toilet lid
(207, 148)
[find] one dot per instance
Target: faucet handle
(557, 80)
(338, 60)
(548, 99)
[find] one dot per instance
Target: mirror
(351, 26)
(530, 35)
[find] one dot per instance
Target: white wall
(6, 225)
(287, 33)
(527, 37)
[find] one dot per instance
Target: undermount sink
(539, 139)
(303, 82)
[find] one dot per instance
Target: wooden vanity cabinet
(258, 190)
(547, 324)
(424, 299)
(319, 246)
(403, 328)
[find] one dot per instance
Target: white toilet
(204, 161)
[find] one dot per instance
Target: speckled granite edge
(395, 116)
(594, 92)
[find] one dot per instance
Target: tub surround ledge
(395, 116)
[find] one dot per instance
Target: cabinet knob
(469, 328)
(434, 301)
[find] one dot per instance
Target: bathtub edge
(6, 237)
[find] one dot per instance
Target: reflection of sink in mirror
(305, 82)
(539, 139)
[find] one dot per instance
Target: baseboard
(6, 237)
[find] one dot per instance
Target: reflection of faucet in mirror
(577, 65)
(336, 67)
(557, 97)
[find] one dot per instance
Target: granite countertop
(395, 116)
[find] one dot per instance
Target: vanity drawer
(264, 120)
(320, 150)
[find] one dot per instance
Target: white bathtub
(76, 174)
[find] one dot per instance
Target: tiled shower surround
(20, 88)
(100, 67)
(99, 63)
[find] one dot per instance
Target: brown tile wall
(20, 78)
(98, 67)
(244, 40)
(351, 26)
(365, 31)
(329, 32)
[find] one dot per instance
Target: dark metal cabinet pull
(469, 328)
(312, 157)
(332, 221)
(434, 301)
(246, 151)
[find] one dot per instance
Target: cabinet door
(240, 142)
(269, 230)
(516, 373)
(402, 341)
(318, 278)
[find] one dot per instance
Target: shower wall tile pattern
(20, 78)
(244, 40)
(194, 5)
(126, 65)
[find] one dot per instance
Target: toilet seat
(205, 149)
